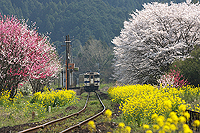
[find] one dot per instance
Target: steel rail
(193, 116)
(54, 121)
(87, 120)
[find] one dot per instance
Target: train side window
(91, 77)
(86, 76)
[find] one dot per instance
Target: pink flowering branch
(173, 78)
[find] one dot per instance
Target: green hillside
(99, 19)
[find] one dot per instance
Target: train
(90, 81)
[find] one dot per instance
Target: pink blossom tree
(47, 73)
(153, 38)
(24, 54)
(173, 78)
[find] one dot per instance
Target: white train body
(91, 81)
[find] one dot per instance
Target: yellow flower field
(55, 98)
(38, 103)
(139, 102)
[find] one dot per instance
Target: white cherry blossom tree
(153, 38)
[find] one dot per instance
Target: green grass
(19, 113)
(106, 85)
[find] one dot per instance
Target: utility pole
(70, 67)
(67, 60)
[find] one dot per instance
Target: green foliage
(190, 67)
(190, 93)
(81, 19)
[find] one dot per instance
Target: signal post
(67, 59)
(70, 67)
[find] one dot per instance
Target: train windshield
(96, 76)
(86, 76)
(91, 77)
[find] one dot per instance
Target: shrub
(190, 67)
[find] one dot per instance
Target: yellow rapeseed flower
(91, 126)
(162, 117)
(156, 127)
(166, 128)
(127, 129)
(145, 126)
(168, 104)
(186, 129)
(148, 131)
(173, 127)
(187, 115)
(172, 114)
(154, 116)
(121, 125)
(182, 119)
(108, 113)
(169, 120)
(174, 117)
(161, 131)
(182, 108)
(160, 121)
(167, 123)
(196, 123)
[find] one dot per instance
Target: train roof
(88, 73)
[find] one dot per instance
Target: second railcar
(91, 81)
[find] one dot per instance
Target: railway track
(193, 116)
(46, 125)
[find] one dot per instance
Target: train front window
(86, 76)
(91, 77)
(96, 76)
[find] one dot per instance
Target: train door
(91, 79)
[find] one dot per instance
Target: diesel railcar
(91, 81)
